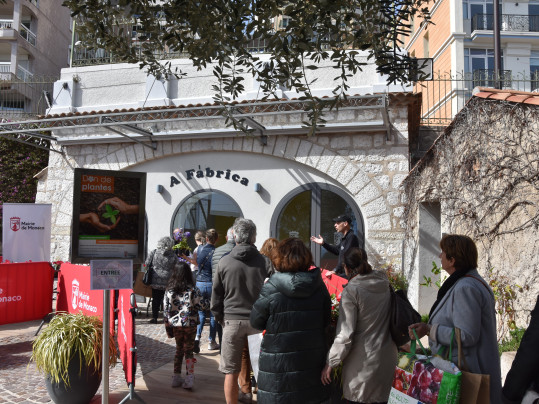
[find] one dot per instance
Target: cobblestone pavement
(21, 383)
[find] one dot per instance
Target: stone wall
(483, 175)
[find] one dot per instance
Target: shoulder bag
(147, 278)
(401, 315)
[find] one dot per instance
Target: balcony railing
(5, 67)
(24, 74)
(90, 57)
(6, 24)
(25, 33)
(509, 22)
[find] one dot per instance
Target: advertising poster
(26, 232)
(108, 215)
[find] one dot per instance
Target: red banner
(74, 292)
(25, 291)
(126, 334)
(334, 283)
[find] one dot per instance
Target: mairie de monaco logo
(15, 223)
(75, 294)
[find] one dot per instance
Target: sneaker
(213, 346)
(196, 348)
(177, 380)
(188, 382)
(246, 398)
(153, 321)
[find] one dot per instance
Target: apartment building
(461, 43)
(35, 37)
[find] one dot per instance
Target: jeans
(205, 289)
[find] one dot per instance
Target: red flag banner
(333, 282)
(126, 334)
(25, 291)
(74, 293)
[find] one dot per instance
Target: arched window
(309, 210)
(206, 210)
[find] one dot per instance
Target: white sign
(26, 232)
(111, 274)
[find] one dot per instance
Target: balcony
(25, 33)
(24, 74)
(6, 24)
(509, 23)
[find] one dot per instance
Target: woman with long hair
(294, 308)
(181, 304)
(363, 343)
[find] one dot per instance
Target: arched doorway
(308, 210)
(206, 210)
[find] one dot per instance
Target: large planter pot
(84, 383)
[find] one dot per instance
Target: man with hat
(348, 241)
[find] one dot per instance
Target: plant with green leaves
(505, 293)
(68, 335)
(396, 278)
(220, 34)
(111, 213)
(436, 270)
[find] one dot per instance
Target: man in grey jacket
(236, 286)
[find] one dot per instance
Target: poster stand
(132, 393)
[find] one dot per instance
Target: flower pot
(84, 383)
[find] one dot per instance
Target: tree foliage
(18, 164)
(219, 32)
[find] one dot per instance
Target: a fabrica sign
(210, 173)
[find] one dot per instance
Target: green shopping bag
(434, 380)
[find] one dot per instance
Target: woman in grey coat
(162, 260)
(363, 343)
(465, 301)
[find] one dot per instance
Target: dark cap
(342, 218)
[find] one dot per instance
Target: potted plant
(68, 353)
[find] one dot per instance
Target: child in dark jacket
(181, 304)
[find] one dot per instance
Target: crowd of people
(279, 290)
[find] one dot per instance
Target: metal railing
(25, 33)
(24, 74)
(6, 24)
(447, 93)
(89, 57)
(22, 100)
(509, 22)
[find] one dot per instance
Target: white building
(202, 174)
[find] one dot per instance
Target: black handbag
(147, 278)
(402, 315)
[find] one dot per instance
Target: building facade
(461, 43)
(35, 39)
(202, 174)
